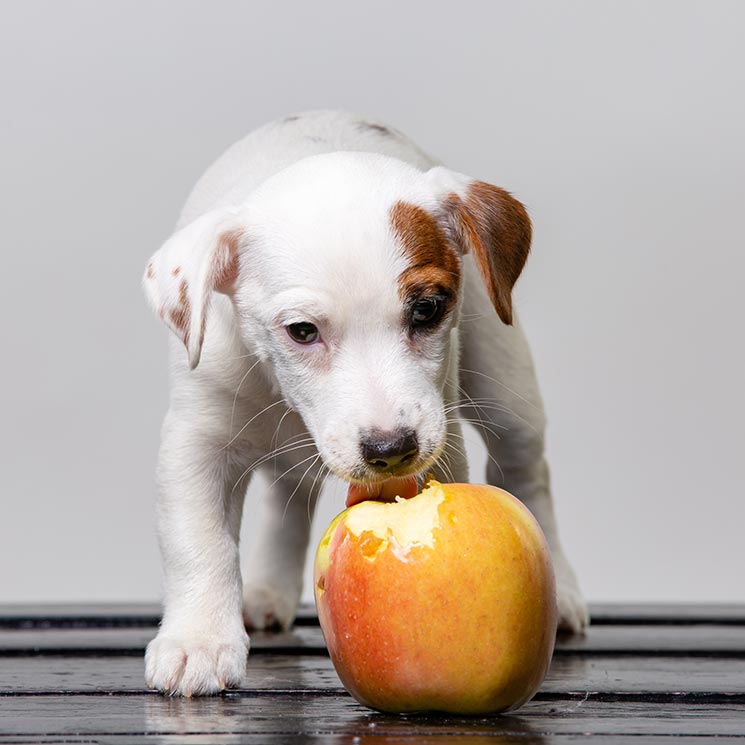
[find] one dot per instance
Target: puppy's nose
(386, 451)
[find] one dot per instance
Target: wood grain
(643, 674)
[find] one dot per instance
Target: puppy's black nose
(386, 451)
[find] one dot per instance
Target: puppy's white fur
(292, 224)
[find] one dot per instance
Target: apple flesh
(442, 602)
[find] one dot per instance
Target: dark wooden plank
(667, 614)
(368, 739)
(259, 717)
(104, 615)
(568, 675)
(54, 615)
(148, 614)
(132, 640)
(183, 738)
(126, 674)
(637, 674)
(704, 640)
(371, 737)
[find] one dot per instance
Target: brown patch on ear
(225, 266)
(496, 227)
(150, 273)
(433, 264)
(181, 316)
(183, 296)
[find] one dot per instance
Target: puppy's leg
(497, 374)
(201, 646)
(276, 559)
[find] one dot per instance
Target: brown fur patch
(225, 266)
(181, 315)
(176, 271)
(150, 273)
(434, 266)
(496, 227)
(183, 296)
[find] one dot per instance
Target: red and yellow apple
(442, 602)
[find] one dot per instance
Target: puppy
(340, 303)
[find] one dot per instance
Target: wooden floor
(641, 674)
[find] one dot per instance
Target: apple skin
(447, 603)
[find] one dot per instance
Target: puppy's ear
(489, 222)
(181, 276)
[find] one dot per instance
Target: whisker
(329, 475)
(293, 467)
(480, 423)
(455, 449)
(298, 437)
(312, 499)
(476, 401)
(492, 404)
(240, 357)
(254, 417)
(503, 385)
(453, 446)
(268, 456)
(237, 390)
(488, 454)
(290, 447)
(444, 462)
(299, 483)
(485, 406)
(470, 402)
(470, 317)
(275, 436)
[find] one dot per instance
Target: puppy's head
(345, 274)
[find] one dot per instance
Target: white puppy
(339, 303)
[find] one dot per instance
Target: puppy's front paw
(268, 608)
(195, 664)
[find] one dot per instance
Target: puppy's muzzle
(389, 452)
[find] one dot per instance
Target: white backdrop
(619, 124)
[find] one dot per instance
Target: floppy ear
(492, 224)
(194, 261)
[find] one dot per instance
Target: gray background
(619, 124)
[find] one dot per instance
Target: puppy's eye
(303, 332)
(427, 311)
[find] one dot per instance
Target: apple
(442, 602)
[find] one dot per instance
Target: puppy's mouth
(383, 491)
(406, 485)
